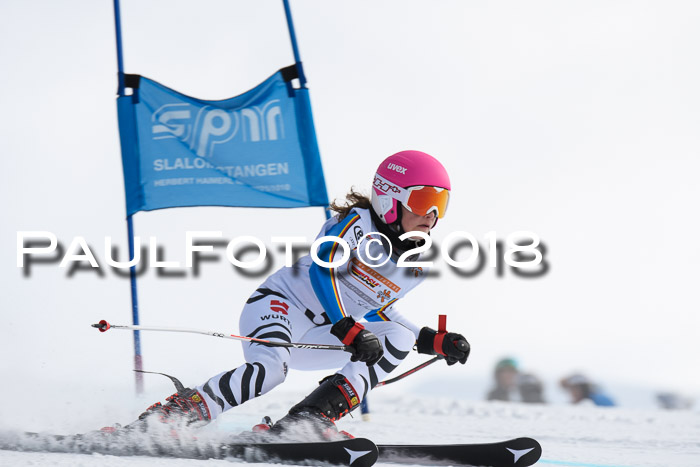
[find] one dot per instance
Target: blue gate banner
(257, 149)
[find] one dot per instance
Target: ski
(356, 452)
(517, 452)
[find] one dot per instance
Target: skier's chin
(420, 228)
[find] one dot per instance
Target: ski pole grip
(442, 330)
(442, 323)
(102, 325)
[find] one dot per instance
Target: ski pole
(442, 328)
(104, 326)
(409, 372)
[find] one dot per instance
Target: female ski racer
(311, 303)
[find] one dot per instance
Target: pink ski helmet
(415, 179)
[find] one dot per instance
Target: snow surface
(577, 436)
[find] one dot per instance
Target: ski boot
(315, 416)
(185, 408)
(264, 426)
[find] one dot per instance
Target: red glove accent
(442, 330)
(352, 333)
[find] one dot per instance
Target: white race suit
(302, 302)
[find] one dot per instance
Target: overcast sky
(575, 120)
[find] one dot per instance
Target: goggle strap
(401, 194)
(391, 189)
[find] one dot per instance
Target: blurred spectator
(530, 388)
(512, 386)
(582, 389)
(673, 401)
(506, 379)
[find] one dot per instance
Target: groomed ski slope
(571, 436)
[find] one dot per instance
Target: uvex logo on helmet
(396, 168)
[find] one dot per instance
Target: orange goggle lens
(423, 199)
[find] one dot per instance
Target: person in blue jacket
(583, 390)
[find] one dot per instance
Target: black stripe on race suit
(275, 335)
(265, 326)
(385, 365)
(210, 393)
(310, 314)
(260, 379)
(364, 394)
(265, 292)
(396, 353)
(373, 380)
(225, 388)
(245, 382)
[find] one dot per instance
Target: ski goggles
(420, 200)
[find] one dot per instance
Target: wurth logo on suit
(281, 309)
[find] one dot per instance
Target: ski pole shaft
(104, 326)
(409, 372)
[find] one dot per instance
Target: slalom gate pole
(120, 55)
(104, 326)
(295, 46)
(138, 359)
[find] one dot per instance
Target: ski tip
(518, 452)
(526, 451)
(102, 325)
(362, 452)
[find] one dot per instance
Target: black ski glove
(365, 345)
(454, 347)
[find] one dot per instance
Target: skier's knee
(399, 342)
(275, 374)
(273, 363)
